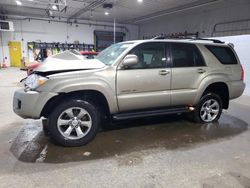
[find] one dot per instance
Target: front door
(147, 84)
(15, 53)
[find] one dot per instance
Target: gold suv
(132, 79)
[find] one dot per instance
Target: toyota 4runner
(133, 79)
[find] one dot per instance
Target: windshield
(110, 54)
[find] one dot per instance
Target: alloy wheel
(74, 123)
(209, 110)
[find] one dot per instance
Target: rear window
(224, 54)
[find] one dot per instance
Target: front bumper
(31, 103)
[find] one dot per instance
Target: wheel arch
(221, 89)
(94, 96)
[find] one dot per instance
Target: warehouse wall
(203, 20)
(55, 32)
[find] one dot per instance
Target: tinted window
(186, 55)
(224, 54)
(150, 55)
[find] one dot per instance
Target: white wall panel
(56, 32)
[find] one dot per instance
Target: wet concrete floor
(172, 132)
(148, 153)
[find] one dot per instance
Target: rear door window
(186, 55)
(224, 54)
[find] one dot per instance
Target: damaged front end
(68, 61)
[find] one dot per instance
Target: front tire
(209, 109)
(45, 127)
(74, 123)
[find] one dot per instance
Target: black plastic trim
(47, 73)
(149, 113)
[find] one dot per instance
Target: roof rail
(191, 38)
(213, 40)
(159, 37)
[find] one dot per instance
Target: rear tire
(209, 109)
(74, 123)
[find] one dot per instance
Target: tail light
(242, 73)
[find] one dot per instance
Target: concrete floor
(154, 152)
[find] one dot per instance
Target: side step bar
(150, 113)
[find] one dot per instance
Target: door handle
(164, 72)
(201, 71)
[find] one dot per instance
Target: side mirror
(130, 60)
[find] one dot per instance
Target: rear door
(188, 70)
(146, 85)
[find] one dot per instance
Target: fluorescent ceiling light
(54, 7)
(19, 3)
(140, 1)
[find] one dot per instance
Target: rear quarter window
(224, 54)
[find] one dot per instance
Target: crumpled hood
(53, 64)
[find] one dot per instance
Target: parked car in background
(31, 66)
(89, 54)
(133, 79)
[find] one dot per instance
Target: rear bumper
(30, 104)
(237, 89)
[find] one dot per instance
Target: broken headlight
(34, 81)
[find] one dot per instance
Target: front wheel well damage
(220, 89)
(95, 97)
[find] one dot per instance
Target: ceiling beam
(188, 6)
(25, 10)
(95, 4)
(5, 6)
(64, 20)
(9, 6)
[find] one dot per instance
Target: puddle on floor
(125, 139)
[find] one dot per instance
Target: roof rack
(213, 40)
(191, 38)
(158, 37)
